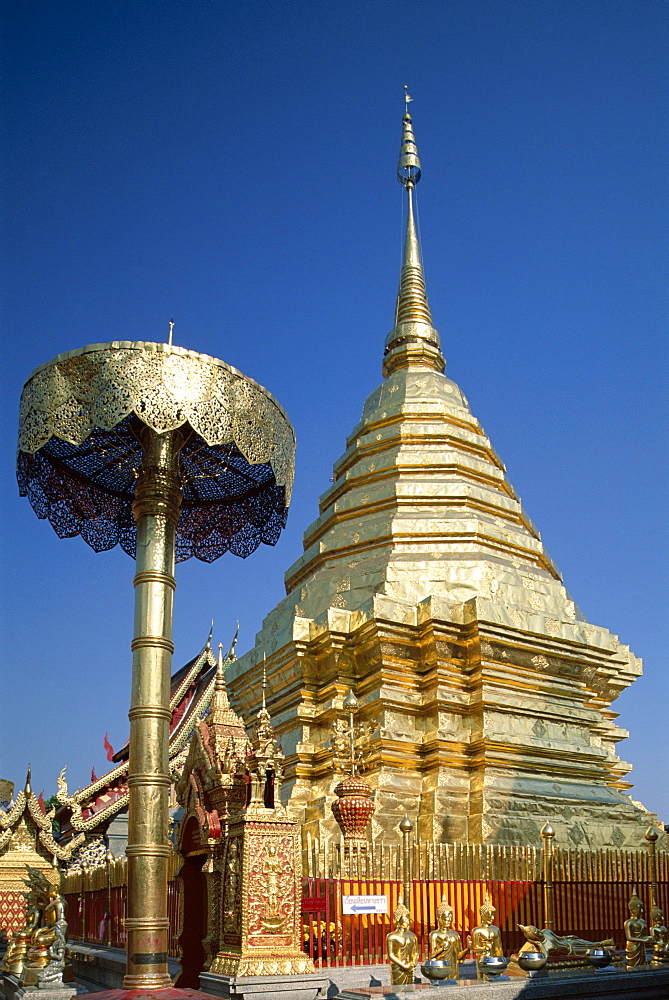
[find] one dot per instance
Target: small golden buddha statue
(17, 949)
(660, 935)
(486, 939)
(402, 948)
(47, 939)
(445, 944)
(636, 934)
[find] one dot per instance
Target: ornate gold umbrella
(170, 454)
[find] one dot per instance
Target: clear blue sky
(233, 165)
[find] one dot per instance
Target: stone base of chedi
(482, 729)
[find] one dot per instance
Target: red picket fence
(85, 912)
(335, 938)
(592, 909)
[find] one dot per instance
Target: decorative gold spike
(413, 339)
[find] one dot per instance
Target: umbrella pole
(156, 510)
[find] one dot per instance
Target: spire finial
(264, 680)
(169, 339)
(413, 340)
(231, 652)
(220, 684)
(408, 167)
(219, 702)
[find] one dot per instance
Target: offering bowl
(493, 965)
(531, 961)
(599, 958)
(437, 972)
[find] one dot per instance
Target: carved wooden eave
(25, 822)
(89, 810)
(26, 842)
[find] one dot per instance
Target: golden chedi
(425, 587)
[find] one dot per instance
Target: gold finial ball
(547, 830)
(406, 826)
(651, 834)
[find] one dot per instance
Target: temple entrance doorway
(194, 901)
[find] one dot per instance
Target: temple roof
(25, 829)
(191, 691)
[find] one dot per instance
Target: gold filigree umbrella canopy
(170, 454)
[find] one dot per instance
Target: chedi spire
(413, 340)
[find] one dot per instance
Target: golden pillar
(651, 836)
(156, 512)
(406, 827)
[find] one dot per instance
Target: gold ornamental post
(156, 510)
(548, 833)
(170, 454)
(651, 836)
(406, 826)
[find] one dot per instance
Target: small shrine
(26, 842)
(212, 786)
(241, 855)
